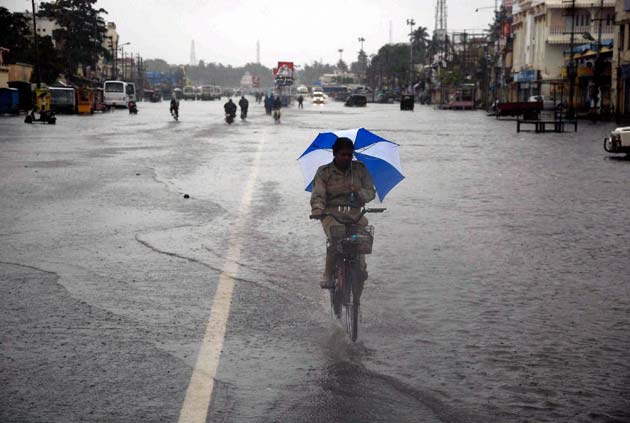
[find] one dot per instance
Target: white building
(247, 81)
(542, 33)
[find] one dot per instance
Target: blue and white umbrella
(380, 156)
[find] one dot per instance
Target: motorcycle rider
(174, 106)
(300, 100)
(244, 104)
(230, 108)
(276, 105)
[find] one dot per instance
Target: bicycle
(349, 241)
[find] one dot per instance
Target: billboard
(284, 70)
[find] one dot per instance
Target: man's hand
(317, 214)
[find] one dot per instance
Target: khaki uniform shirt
(331, 186)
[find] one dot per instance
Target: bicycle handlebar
(346, 220)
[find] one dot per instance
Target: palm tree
(420, 41)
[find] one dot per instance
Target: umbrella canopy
(379, 155)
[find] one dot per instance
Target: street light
(38, 73)
(361, 40)
(121, 47)
(411, 23)
(340, 54)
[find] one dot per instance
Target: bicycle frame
(347, 290)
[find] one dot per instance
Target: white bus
(131, 91)
(115, 94)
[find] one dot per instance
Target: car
(318, 98)
(619, 141)
(356, 100)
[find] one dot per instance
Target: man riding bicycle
(341, 187)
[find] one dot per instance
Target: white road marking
(199, 393)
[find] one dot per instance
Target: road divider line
(199, 392)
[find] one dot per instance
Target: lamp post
(340, 54)
(411, 23)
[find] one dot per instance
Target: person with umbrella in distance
(342, 186)
(344, 170)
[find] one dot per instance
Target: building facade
(621, 61)
(542, 32)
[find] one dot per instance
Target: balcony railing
(562, 35)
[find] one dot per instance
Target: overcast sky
(294, 30)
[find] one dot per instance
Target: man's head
(343, 151)
(229, 100)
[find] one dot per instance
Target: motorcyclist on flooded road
(244, 105)
(174, 107)
(230, 108)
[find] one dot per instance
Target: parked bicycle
(349, 242)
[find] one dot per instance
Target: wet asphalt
(498, 290)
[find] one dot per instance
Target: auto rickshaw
(42, 106)
(407, 102)
(85, 101)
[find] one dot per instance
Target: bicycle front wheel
(351, 304)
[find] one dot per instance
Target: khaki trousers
(328, 223)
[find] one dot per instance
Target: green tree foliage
(158, 65)
(342, 66)
(213, 73)
(81, 33)
(310, 74)
(420, 41)
(360, 66)
(14, 36)
(51, 65)
(17, 37)
(390, 66)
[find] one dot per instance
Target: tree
(81, 33)
(14, 36)
(391, 64)
(157, 65)
(360, 66)
(420, 42)
(342, 66)
(311, 74)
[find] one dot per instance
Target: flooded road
(498, 290)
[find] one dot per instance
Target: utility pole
(38, 73)
(571, 69)
(340, 54)
(361, 40)
(411, 24)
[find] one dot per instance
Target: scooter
(229, 118)
(45, 116)
(133, 108)
(243, 115)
